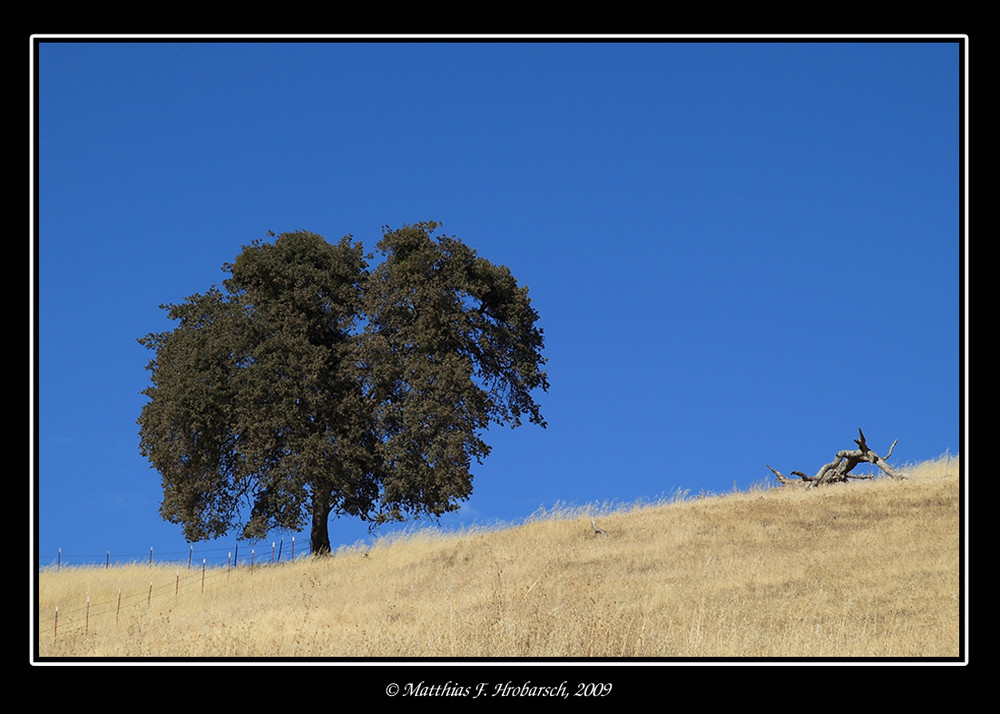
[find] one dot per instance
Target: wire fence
(191, 576)
(276, 552)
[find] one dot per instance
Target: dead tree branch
(839, 470)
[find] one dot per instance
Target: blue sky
(741, 252)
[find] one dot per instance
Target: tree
(311, 386)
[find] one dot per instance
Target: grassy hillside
(867, 569)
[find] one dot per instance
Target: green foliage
(312, 385)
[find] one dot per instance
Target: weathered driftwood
(839, 471)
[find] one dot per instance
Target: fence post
(149, 595)
(118, 608)
(55, 625)
(253, 551)
(151, 556)
(86, 618)
(58, 560)
(203, 574)
(177, 584)
(272, 552)
(280, 544)
(293, 547)
(107, 560)
(229, 563)
(190, 553)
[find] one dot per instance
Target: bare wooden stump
(839, 471)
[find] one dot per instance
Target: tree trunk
(839, 471)
(320, 535)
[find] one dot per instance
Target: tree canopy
(312, 385)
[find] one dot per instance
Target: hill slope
(868, 569)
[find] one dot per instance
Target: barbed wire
(276, 551)
(84, 617)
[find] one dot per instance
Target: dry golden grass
(869, 569)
